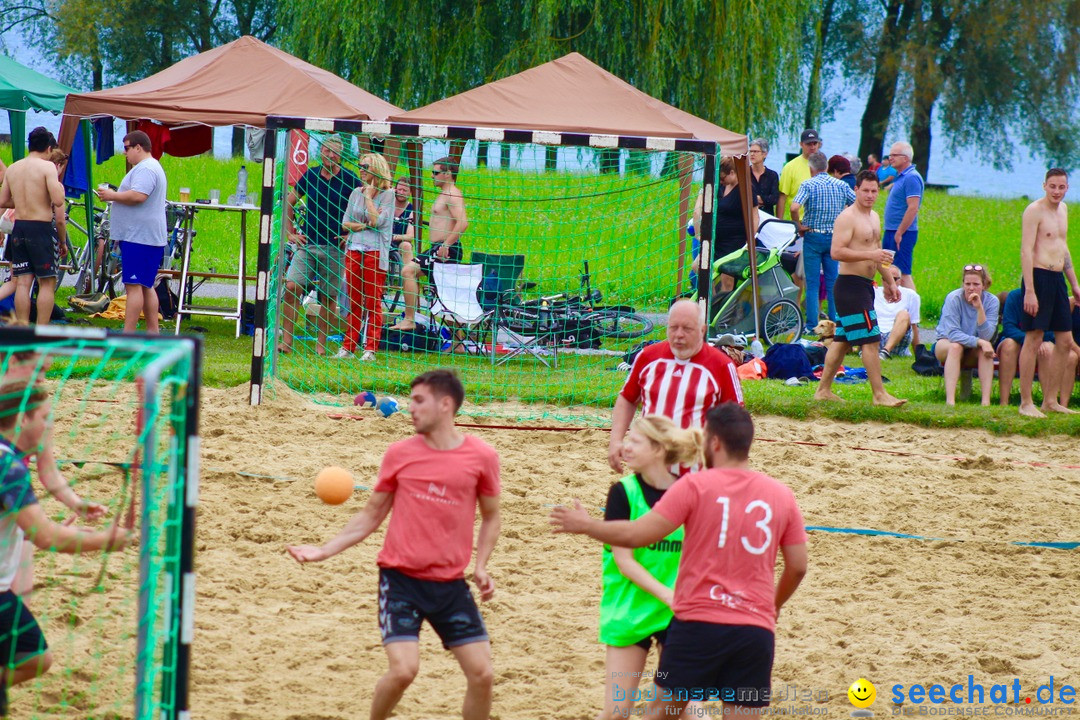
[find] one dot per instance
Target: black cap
(810, 136)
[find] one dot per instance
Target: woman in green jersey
(635, 607)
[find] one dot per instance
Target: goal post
(124, 415)
(599, 219)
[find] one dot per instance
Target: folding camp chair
(501, 276)
(457, 305)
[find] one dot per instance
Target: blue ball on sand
(387, 406)
(366, 399)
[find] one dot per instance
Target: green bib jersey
(629, 614)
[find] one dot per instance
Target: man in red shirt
(720, 643)
(680, 378)
(434, 482)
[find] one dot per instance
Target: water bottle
(756, 349)
(241, 186)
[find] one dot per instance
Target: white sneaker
(368, 356)
(342, 354)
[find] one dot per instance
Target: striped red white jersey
(683, 390)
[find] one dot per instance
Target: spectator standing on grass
(818, 203)
(32, 188)
(968, 321)
(898, 321)
(1046, 265)
(680, 378)
(369, 220)
(872, 163)
(765, 181)
(797, 170)
(840, 168)
(885, 172)
(137, 222)
(902, 211)
(1010, 343)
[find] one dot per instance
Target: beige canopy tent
(236, 84)
(575, 95)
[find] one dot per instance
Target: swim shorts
(405, 602)
(854, 296)
(1053, 296)
(33, 250)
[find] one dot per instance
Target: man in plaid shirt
(823, 197)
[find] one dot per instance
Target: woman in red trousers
(369, 220)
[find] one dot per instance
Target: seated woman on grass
(968, 321)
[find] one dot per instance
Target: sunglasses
(975, 268)
(128, 147)
(437, 172)
(363, 166)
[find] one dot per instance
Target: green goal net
(123, 416)
(566, 260)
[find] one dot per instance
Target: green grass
(638, 268)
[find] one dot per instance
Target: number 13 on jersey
(763, 525)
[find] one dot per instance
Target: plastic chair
(501, 276)
(457, 304)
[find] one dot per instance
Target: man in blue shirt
(816, 206)
(902, 211)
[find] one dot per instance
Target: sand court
(275, 640)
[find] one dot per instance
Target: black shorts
(405, 602)
(854, 296)
(1053, 296)
(33, 250)
(20, 636)
(660, 636)
(708, 661)
(426, 258)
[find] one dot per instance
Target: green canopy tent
(23, 89)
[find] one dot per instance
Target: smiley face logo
(862, 693)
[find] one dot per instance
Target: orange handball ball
(334, 485)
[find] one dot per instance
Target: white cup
(215, 197)
(892, 254)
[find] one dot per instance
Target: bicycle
(574, 319)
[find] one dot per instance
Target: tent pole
(685, 170)
(17, 119)
(746, 190)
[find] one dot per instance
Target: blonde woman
(369, 220)
(635, 607)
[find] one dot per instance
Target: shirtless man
(856, 245)
(33, 189)
(1046, 263)
(448, 224)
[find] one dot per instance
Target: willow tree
(733, 62)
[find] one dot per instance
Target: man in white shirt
(898, 321)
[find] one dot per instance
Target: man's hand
(106, 194)
(668, 597)
(119, 537)
(898, 237)
(891, 293)
(484, 584)
(306, 553)
(881, 257)
(1076, 296)
(803, 229)
(614, 455)
(986, 348)
(91, 510)
(297, 238)
(570, 520)
(443, 253)
(1031, 303)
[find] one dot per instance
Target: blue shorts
(905, 256)
(140, 263)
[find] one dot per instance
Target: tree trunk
(813, 91)
(98, 72)
(237, 141)
(875, 119)
(921, 125)
(931, 64)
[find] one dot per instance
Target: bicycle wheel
(781, 322)
(109, 280)
(620, 324)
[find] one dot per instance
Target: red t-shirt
(735, 520)
(430, 534)
(683, 390)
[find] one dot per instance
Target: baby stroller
(780, 318)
